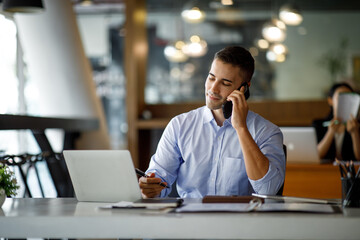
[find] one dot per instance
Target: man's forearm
(256, 163)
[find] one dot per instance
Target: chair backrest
(280, 192)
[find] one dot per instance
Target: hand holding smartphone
(227, 106)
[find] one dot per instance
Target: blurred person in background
(336, 139)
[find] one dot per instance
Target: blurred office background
(150, 57)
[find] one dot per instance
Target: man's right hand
(150, 186)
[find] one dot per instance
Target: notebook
(301, 144)
(102, 175)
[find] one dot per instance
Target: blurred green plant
(8, 182)
(335, 60)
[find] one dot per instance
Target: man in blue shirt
(207, 154)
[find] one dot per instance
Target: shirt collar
(207, 115)
(227, 121)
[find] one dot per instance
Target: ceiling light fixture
(196, 47)
(279, 48)
(290, 15)
(227, 2)
(262, 44)
(194, 15)
(273, 57)
(86, 3)
(277, 52)
(173, 52)
(23, 6)
(274, 31)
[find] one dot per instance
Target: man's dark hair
(338, 85)
(239, 57)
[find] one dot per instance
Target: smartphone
(227, 106)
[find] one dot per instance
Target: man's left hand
(240, 108)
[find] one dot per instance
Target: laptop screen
(102, 175)
(301, 144)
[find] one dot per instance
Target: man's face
(223, 78)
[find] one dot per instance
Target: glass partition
(311, 52)
(103, 35)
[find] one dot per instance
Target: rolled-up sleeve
(272, 148)
(166, 161)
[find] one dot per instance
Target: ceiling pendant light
(262, 44)
(23, 6)
(86, 3)
(173, 52)
(193, 15)
(274, 31)
(196, 47)
(227, 2)
(290, 15)
(277, 53)
(273, 57)
(279, 48)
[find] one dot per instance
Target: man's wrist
(241, 129)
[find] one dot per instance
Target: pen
(348, 170)
(342, 171)
(352, 169)
(326, 124)
(142, 174)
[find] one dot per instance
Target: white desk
(66, 218)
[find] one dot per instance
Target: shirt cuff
(263, 185)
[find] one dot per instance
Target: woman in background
(337, 140)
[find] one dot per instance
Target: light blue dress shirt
(206, 159)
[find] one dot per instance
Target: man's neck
(218, 116)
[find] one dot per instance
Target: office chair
(280, 192)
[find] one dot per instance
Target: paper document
(151, 203)
(267, 207)
(122, 204)
(158, 202)
(298, 199)
(348, 105)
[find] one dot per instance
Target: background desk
(65, 217)
(38, 125)
(312, 180)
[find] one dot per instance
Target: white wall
(94, 32)
(57, 64)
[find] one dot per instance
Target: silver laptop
(102, 175)
(301, 144)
